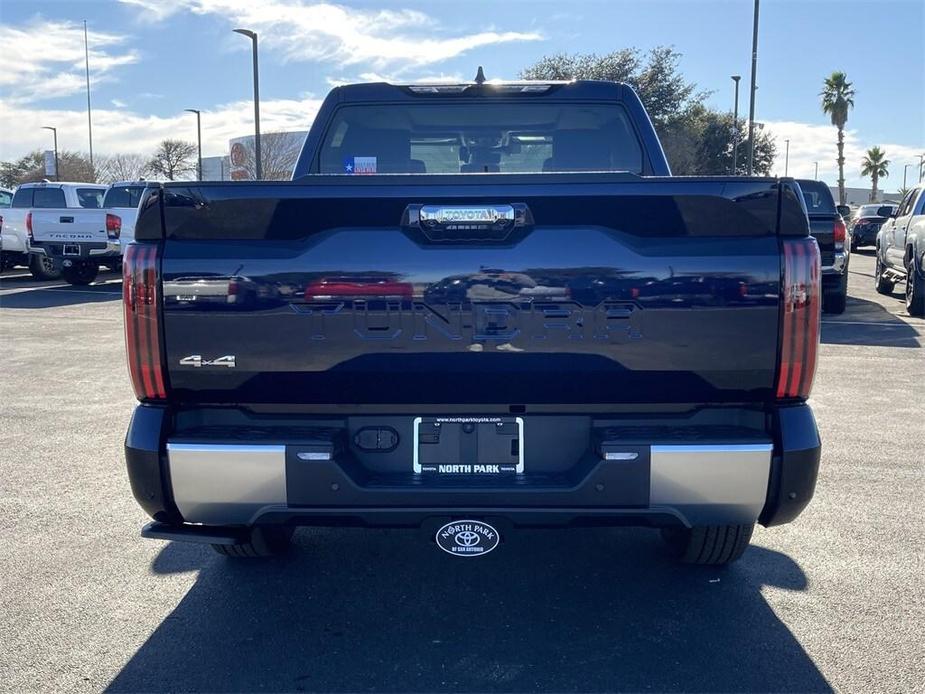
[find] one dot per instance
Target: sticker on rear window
(360, 165)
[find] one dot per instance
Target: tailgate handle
(66, 220)
(460, 223)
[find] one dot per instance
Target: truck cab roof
(573, 89)
(62, 184)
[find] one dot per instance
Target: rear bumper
(236, 484)
(837, 267)
(864, 238)
(87, 251)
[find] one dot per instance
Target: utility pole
(735, 128)
(754, 87)
(54, 132)
(259, 165)
(816, 175)
(905, 168)
(787, 157)
(198, 136)
(89, 117)
(921, 167)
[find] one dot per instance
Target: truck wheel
(712, 545)
(835, 301)
(262, 542)
(883, 285)
(81, 273)
(915, 289)
(43, 268)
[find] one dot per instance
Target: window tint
(90, 197)
(5, 198)
(480, 138)
(123, 196)
(23, 197)
(49, 197)
(818, 197)
(906, 205)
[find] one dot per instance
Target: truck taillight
(113, 226)
(801, 300)
(29, 226)
(839, 231)
(141, 306)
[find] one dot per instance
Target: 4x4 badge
(197, 361)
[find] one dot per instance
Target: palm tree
(837, 98)
(877, 166)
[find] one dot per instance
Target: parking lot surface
(835, 600)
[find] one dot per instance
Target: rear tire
(708, 545)
(882, 284)
(80, 274)
(262, 542)
(915, 289)
(43, 268)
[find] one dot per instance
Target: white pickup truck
(98, 238)
(76, 242)
(51, 208)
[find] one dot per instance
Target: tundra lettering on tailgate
(615, 322)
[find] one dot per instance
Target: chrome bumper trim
(696, 480)
(218, 484)
(226, 484)
(111, 247)
(838, 264)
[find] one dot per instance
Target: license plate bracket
(469, 446)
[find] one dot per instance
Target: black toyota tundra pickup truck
(475, 308)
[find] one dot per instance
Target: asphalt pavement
(835, 600)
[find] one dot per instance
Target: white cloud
(810, 143)
(303, 31)
(122, 131)
(44, 59)
(118, 103)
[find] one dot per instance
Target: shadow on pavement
(384, 610)
(53, 294)
(868, 323)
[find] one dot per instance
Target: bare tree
(173, 159)
(121, 167)
(279, 152)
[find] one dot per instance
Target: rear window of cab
(487, 137)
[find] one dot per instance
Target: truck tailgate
(69, 225)
(606, 289)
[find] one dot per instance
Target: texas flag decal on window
(360, 165)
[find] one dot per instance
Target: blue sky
(150, 59)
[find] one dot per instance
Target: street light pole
(921, 167)
(754, 87)
(54, 131)
(787, 157)
(905, 168)
(89, 117)
(259, 165)
(816, 175)
(198, 136)
(735, 128)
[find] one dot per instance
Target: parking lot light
(252, 35)
(198, 137)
